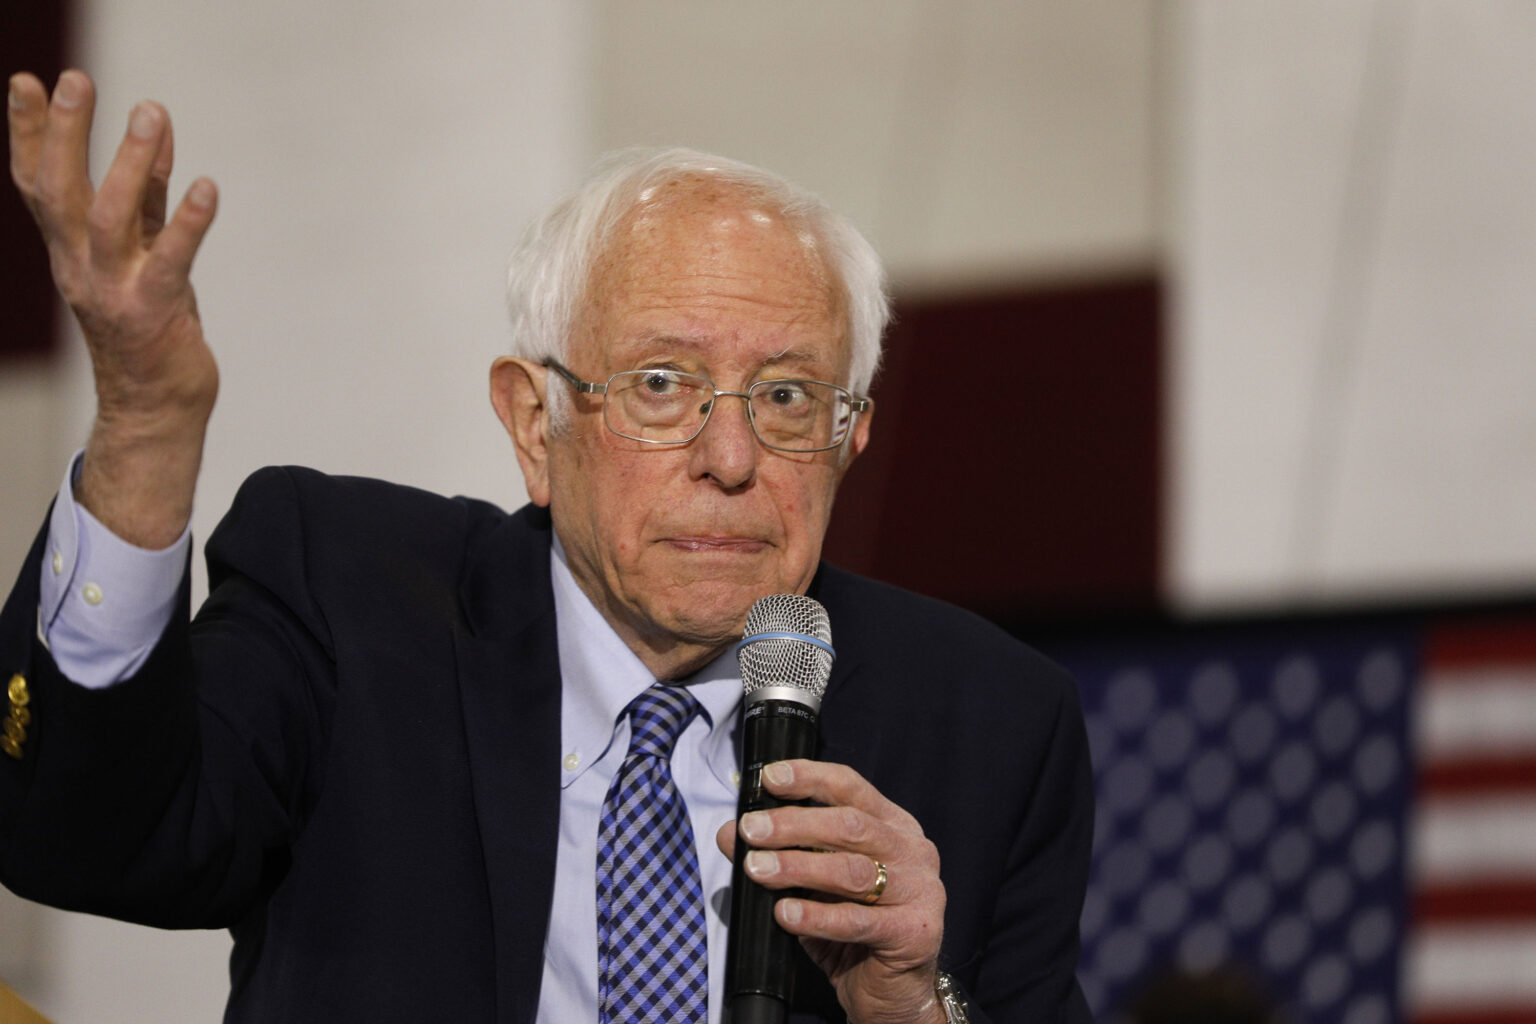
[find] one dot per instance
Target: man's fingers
(155, 197)
(61, 186)
(906, 939)
(842, 922)
(826, 828)
(725, 839)
(839, 874)
(849, 876)
(122, 204)
(837, 922)
(834, 785)
(26, 114)
(156, 194)
(170, 258)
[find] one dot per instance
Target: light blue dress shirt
(105, 602)
(600, 676)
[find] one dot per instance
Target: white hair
(548, 272)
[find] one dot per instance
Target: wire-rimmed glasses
(663, 406)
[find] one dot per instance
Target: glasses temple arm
(584, 387)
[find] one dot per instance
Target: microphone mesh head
(786, 661)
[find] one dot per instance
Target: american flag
(1344, 809)
(1471, 953)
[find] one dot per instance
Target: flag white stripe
(1473, 838)
(1455, 966)
(1477, 712)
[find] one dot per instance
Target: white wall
(976, 142)
(1356, 326)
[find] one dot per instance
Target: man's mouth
(711, 543)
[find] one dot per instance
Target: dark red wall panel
(32, 38)
(1017, 453)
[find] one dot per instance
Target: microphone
(786, 659)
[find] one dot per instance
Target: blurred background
(1210, 377)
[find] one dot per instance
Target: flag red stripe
(1478, 775)
(1500, 640)
(1476, 901)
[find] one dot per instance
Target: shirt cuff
(103, 602)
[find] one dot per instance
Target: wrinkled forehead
(695, 238)
(686, 195)
(693, 211)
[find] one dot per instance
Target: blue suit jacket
(350, 758)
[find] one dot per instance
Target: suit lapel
(509, 678)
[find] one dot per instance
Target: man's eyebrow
(813, 362)
(641, 347)
(792, 355)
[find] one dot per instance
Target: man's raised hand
(124, 270)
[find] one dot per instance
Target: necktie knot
(658, 717)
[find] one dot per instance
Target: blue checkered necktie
(651, 960)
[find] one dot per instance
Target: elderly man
(390, 748)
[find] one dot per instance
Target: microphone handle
(759, 966)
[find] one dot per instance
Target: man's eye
(659, 382)
(785, 394)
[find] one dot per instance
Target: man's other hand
(124, 270)
(880, 956)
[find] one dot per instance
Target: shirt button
(92, 593)
(571, 762)
(736, 779)
(58, 563)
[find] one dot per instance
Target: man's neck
(667, 657)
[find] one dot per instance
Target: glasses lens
(657, 405)
(800, 415)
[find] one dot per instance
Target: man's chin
(704, 607)
(713, 612)
(716, 628)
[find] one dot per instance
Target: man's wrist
(140, 488)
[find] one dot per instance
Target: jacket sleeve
(171, 798)
(1027, 970)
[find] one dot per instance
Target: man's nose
(726, 450)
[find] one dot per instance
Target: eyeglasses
(668, 407)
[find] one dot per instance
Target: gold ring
(872, 897)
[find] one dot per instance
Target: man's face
(674, 543)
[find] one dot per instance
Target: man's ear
(858, 442)
(517, 392)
